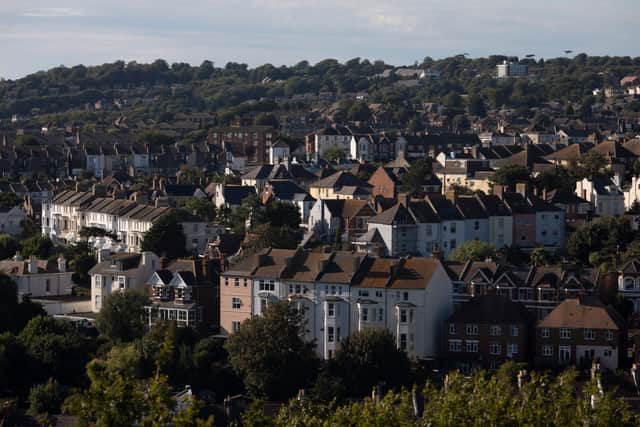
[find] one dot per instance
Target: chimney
(62, 264)
(33, 265)
(322, 265)
(522, 188)
(403, 199)
(436, 253)
(498, 190)
(452, 195)
(147, 258)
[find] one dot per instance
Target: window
(363, 293)
(452, 328)
(472, 346)
(47, 285)
(512, 348)
(379, 294)
(453, 227)
(608, 335)
(403, 341)
(245, 282)
(97, 300)
(455, 346)
(263, 304)
(98, 282)
(330, 334)
(380, 315)
(495, 348)
(121, 282)
(365, 314)
(266, 285)
(226, 281)
(544, 333)
(495, 330)
(403, 315)
(565, 333)
(236, 303)
(564, 353)
(236, 282)
(405, 296)
(476, 225)
(235, 326)
(514, 331)
(589, 334)
(331, 310)
(471, 329)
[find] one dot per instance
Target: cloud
(52, 12)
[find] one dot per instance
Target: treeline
(211, 88)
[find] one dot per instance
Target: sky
(40, 34)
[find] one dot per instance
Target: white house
(117, 272)
(37, 277)
(603, 194)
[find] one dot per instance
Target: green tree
(557, 178)
(590, 166)
(38, 246)
(266, 119)
(359, 112)
(366, 358)
(333, 154)
(540, 257)
(413, 180)
(201, 206)
(473, 250)
(9, 200)
(122, 316)
(56, 349)
(599, 240)
(13, 363)
(511, 175)
(270, 354)
(165, 237)
(279, 214)
(46, 399)
(8, 246)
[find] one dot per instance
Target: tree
(334, 154)
(122, 316)
(15, 315)
(540, 257)
(165, 237)
(38, 246)
(359, 112)
(511, 175)
(368, 357)
(473, 250)
(8, 246)
(9, 200)
(269, 353)
(557, 178)
(414, 179)
(55, 349)
(12, 363)
(279, 214)
(201, 206)
(460, 123)
(590, 166)
(46, 399)
(600, 240)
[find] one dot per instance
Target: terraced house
(342, 292)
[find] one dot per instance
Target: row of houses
(68, 212)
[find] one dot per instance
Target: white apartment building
(39, 277)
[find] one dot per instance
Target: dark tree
(270, 355)
(511, 175)
(165, 237)
(414, 179)
(122, 316)
(369, 357)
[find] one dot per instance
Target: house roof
(340, 179)
(571, 152)
(470, 207)
(414, 273)
(397, 214)
(234, 194)
(582, 313)
(491, 309)
(341, 268)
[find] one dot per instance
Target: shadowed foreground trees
(483, 400)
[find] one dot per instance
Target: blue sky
(40, 34)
